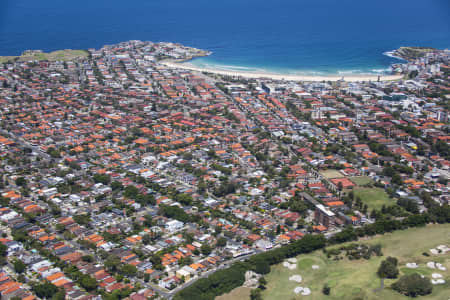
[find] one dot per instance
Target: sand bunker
(435, 265)
(304, 291)
(437, 281)
(441, 267)
(412, 266)
(436, 275)
(292, 260)
(289, 265)
(315, 267)
(441, 249)
(296, 278)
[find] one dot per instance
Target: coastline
(183, 64)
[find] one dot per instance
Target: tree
(146, 239)
(255, 294)
(82, 219)
(413, 285)
(60, 227)
(183, 198)
(19, 266)
(112, 262)
(397, 179)
(260, 265)
(131, 191)
(387, 269)
(326, 289)
(3, 250)
(44, 290)
(221, 242)
(88, 282)
(116, 185)
(217, 230)
(20, 181)
(61, 295)
(205, 249)
(262, 283)
(53, 152)
(185, 261)
(101, 178)
(87, 258)
(129, 270)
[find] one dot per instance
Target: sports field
(375, 198)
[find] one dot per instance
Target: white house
(174, 225)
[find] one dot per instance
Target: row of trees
(435, 214)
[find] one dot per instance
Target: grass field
(329, 174)
(361, 180)
(373, 197)
(63, 55)
(357, 279)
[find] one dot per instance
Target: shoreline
(183, 64)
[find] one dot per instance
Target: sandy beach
(274, 76)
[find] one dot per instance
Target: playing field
(375, 198)
(357, 279)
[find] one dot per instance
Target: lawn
(329, 174)
(373, 197)
(357, 279)
(361, 180)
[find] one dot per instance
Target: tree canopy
(413, 285)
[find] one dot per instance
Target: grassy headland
(59, 55)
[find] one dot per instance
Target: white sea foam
(201, 63)
(298, 75)
(350, 72)
(391, 54)
(382, 71)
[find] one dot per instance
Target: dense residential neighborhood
(123, 178)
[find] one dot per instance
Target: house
(174, 225)
(182, 273)
(263, 244)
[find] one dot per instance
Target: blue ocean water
(284, 36)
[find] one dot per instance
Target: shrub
(326, 289)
